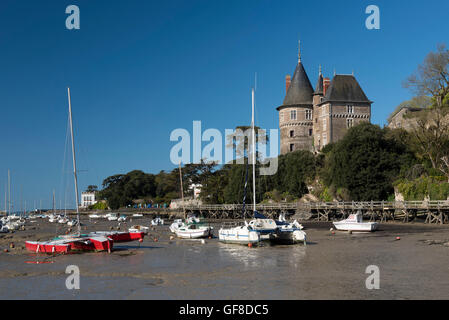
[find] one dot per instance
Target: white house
(87, 199)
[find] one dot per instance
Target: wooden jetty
(383, 211)
(433, 212)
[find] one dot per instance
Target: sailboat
(192, 228)
(94, 241)
(249, 233)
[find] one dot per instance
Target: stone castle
(309, 119)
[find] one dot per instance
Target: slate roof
(300, 92)
(345, 88)
(319, 86)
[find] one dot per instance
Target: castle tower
(341, 105)
(296, 113)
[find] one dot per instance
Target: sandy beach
(331, 266)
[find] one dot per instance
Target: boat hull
(47, 247)
(238, 236)
(120, 236)
(193, 234)
(356, 227)
(289, 237)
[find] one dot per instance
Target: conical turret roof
(319, 86)
(300, 91)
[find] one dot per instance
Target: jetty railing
(383, 211)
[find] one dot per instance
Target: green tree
(366, 162)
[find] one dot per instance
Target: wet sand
(329, 267)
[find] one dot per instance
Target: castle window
(350, 109)
(324, 139)
(310, 132)
(293, 115)
(308, 114)
(324, 124)
(292, 133)
(281, 116)
(292, 147)
(349, 123)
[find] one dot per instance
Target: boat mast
(182, 191)
(9, 193)
(6, 199)
(254, 151)
(74, 162)
(54, 207)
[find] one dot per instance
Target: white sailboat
(248, 233)
(192, 228)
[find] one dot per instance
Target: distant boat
(157, 222)
(355, 223)
(137, 229)
(112, 217)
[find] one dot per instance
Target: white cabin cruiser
(193, 231)
(112, 217)
(355, 223)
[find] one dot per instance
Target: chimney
(288, 80)
(326, 84)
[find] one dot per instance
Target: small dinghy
(157, 222)
(137, 229)
(112, 217)
(137, 215)
(72, 223)
(238, 234)
(355, 223)
(4, 229)
(63, 220)
(121, 219)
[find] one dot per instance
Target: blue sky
(140, 69)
